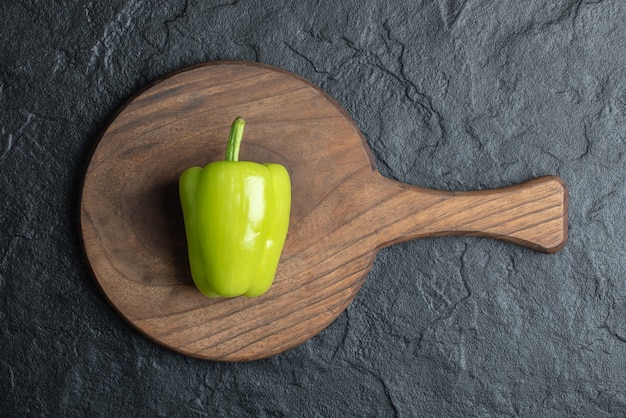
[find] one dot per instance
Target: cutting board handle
(532, 214)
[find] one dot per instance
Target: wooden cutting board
(343, 210)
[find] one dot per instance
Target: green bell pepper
(236, 216)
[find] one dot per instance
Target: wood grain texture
(343, 210)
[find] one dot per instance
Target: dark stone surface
(450, 94)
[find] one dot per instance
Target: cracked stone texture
(450, 94)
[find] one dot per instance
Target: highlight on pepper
(236, 216)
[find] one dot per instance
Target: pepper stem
(234, 139)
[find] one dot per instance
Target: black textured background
(450, 94)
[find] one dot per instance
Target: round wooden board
(343, 211)
(132, 224)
